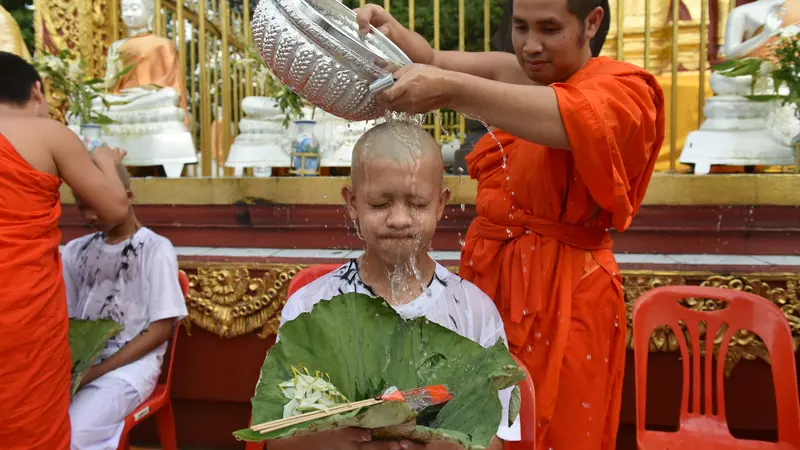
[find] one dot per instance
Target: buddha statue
(148, 103)
(11, 37)
(737, 131)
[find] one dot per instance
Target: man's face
(397, 206)
(550, 43)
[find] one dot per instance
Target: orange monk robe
(35, 361)
(155, 62)
(540, 247)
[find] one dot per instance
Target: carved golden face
(136, 14)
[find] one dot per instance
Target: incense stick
(302, 418)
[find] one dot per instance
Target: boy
(128, 274)
(396, 200)
(36, 153)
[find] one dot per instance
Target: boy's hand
(438, 445)
(90, 375)
(341, 439)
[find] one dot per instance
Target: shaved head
(397, 141)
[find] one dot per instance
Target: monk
(35, 154)
(574, 147)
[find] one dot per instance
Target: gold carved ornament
(229, 302)
(78, 25)
(226, 301)
(744, 344)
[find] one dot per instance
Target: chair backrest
(743, 311)
(308, 275)
(183, 279)
(527, 410)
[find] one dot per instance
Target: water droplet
(547, 342)
(528, 349)
(463, 207)
(606, 359)
(586, 405)
(470, 263)
(589, 357)
(512, 193)
(461, 242)
(527, 231)
(538, 335)
(508, 178)
(616, 324)
(525, 312)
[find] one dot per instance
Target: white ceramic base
(734, 148)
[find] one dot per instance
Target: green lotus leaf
(365, 347)
(87, 338)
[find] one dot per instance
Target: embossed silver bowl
(313, 46)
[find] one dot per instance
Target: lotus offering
(354, 362)
(87, 338)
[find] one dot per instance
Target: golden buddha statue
(148, 102)
(11, 36)
(155, 76)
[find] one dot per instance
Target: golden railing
(212, 39)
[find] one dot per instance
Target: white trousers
(97, 413)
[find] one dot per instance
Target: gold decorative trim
(229, 302)
(225, 300)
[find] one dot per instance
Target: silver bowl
(314, 48)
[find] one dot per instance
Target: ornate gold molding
(225, 300)
(228, 302)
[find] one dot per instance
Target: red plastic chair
(159, 403)
(300, 280)
(527, 411)
(705, 428)
(309, 274)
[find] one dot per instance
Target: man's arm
(527, 112)
(154, 335)
(498, 66)
(93, 177)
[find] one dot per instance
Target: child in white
(396, 200)
(127, 274)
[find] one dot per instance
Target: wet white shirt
(134, 283)
(449, 301)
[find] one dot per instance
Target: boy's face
(90, 216)
(397, 205)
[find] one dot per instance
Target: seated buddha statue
(148, 102)
(737, 131)
(11, 37)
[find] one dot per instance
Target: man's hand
(106, 153)
(412, 44)
(418, 89)
(341, 439)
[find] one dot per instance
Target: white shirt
(449, 301)
(134, 283)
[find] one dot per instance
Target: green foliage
(448, 20)
(365, 347)
(87, 338)
(785, 72)
(67, 73)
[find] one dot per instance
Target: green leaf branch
(67, 74)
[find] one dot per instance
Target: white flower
(74, 71)
(54, 63)
(790, 31)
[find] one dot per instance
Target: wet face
(397, 205)
(135, 14)
(550, 42)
